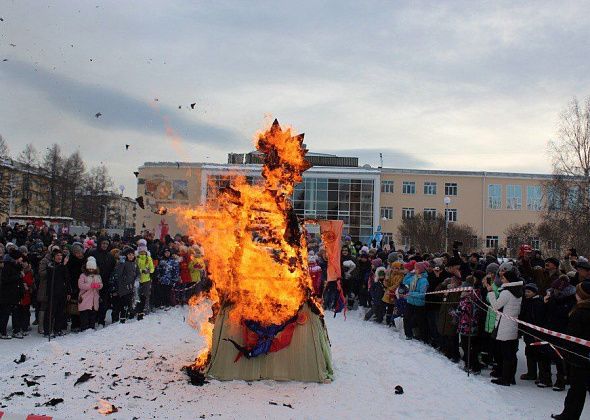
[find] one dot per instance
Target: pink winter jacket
(88, 296)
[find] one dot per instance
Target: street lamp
(447, 201)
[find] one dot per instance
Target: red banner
(331, 234)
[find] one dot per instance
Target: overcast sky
(453, 86)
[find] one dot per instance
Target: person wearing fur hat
(105, 262)
(417, 283)
(533, 312)
(579, 372)
(508, 302)
(11, 292)
(377, 291)
(58, 293)
(559, 300)
(89, 284)
(122, 283)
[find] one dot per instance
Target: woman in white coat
(508, 303)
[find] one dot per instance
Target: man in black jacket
(106, 264)
(11, 292)
(579, 374)
(58, 293)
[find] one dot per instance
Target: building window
(386, 186)
(451, 215)
(492, 242)
(474, 242)
(513, 197)
(429, 214)
(387, 237)
(533, 198)
(535, 242)
(409, 187)
(451, 188)
(407, 213)
(406, 242)
(573, 198)
(429, 188)
(494, 196)
(553, 198)
(387, 213)
(552, 245)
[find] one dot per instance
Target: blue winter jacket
(417, 294)
(168, 271)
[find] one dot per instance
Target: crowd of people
(63, 283)
(465, 306)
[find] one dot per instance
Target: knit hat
(364, 250)
(347, 238)
(392, 257)
(91, 263)
(397, 264)
(142, 242)
(142, 248)
(583, 290)
(553, 261)
(584, 265)
(127, 250)
(506, 266)
(492, 268)
(380, 272)
(23, 249)
(377, 262)
(15, 254)
(410, 265)
(77, 247)
(532, 287)
(10, 245)
(423, 265)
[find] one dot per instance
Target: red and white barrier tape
(546, 343)
(570, 338)
(456, 289)
(10, 416)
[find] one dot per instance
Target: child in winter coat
(467, 316)
(533, 312)
(24, 309)
(315, 272)
(145, 264)
(196, 264)
(400, 303)
(168, 275)
(377, 291)
(89, 284)
(122, 284)
(393, 278)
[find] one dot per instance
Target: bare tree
(98, 186)
(72, 176)
(567, 214)
(29, 161)
(428, 235)
(4, 151)
(52, 162)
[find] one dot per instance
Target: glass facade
(346, 199)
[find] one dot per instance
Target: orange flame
(255, 250)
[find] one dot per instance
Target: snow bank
(137, 368)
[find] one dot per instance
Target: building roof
(366, 169)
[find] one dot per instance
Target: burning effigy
(259, 318)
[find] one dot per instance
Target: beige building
(366, 199)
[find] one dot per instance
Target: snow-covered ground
(136, 367)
